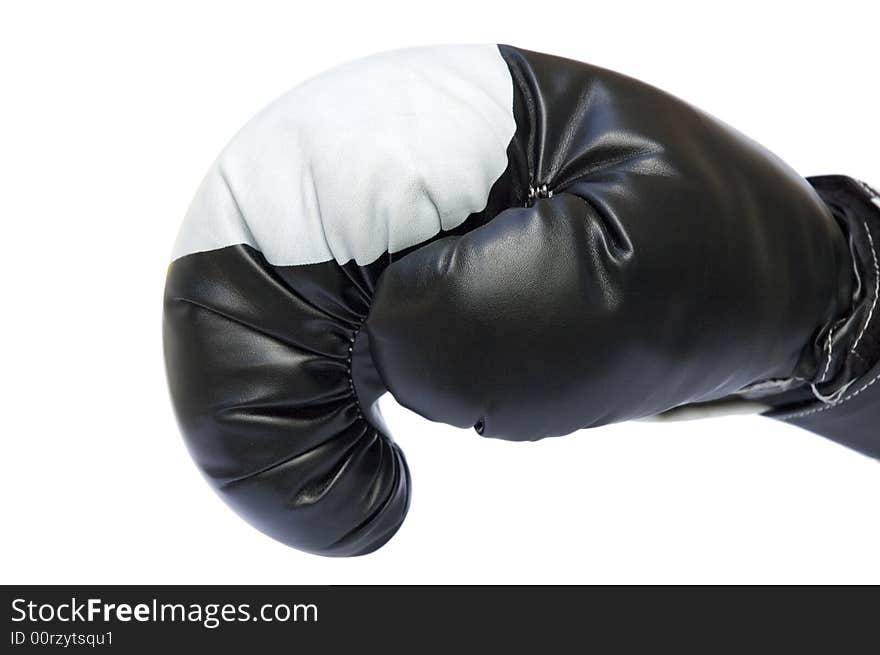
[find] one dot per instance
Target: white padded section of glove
(377, 155)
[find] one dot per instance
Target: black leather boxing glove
(507, 240)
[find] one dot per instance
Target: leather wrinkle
(368, 523)
(292, 458)
(305, 410)
(579, 175)
(269, 272)
(321, 486)
(255, 328)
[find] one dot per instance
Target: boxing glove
(506, 240)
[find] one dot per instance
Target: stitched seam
(876, 289)
(875, 198)
(348, 372)
(832, 405)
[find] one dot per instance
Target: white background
(112, 112)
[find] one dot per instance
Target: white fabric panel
(377, 155)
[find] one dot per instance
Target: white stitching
(828, 347)
(833, 398)
(855, 393)
(875, 198)
(876, 290)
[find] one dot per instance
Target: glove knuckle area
(259, 371)
(274, 269)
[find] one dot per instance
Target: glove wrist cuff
(843, 402)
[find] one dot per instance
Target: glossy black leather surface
(259, 374)
(676, 261)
